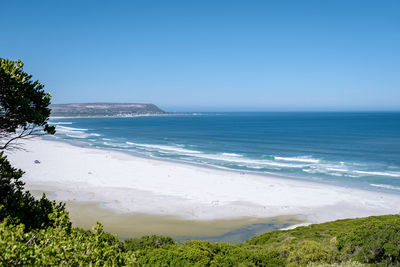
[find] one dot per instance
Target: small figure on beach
(36, 161)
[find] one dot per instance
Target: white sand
(133, 184)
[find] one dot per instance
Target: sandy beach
(129, 184)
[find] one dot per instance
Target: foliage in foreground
(371, 240)
(352, 242)
(60, 245)
(18, 205)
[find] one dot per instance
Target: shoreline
(126, 183)
(82, 144)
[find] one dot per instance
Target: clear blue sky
(211, 55)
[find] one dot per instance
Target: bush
(376, 241)
(191, 253)
(233, 255)
(20, 206)
(343, 264)
(305, 252)
(147, 242)
(60, 245)
(204, 253)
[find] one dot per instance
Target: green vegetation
(24, 106)
(39, 233)
(23, 114)
(60, 245)
(351, 242)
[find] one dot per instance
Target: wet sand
(130, 225)
(127, 225)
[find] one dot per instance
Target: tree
(24, 106)
(23, 114)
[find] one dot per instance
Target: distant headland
(104, 110)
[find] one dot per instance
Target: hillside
(372, 241)
(103, 109)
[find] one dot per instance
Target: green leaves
(60, 245)
(148, 242)
(23, 103)
(375, 241)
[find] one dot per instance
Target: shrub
(60, 245)
(376, 241)
(305, 252)
(203, 253)
(147, 242)
(233, 255)
(342, 264)
(20, 206)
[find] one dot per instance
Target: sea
(351, 149)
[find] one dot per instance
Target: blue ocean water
(349, 149)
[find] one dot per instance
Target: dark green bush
(191, 253)
(20, 206)
(234, 255)
(305, 252)
(204, 253)
(60, 245)
(375, 241)
(147, 242)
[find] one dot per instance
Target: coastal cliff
(103, 109)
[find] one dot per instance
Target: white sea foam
(231, 154)
(60, 123)
(75, 132)
(254, 167)
(336, 169)
(66, 128)
(328, 169)
(252, 162)
(224, 157)
(120, 145)
(331, 169)
(77, 135)
(391, 174)
(310, 170)
(386, 186)
(162, 148)
(298, 159)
